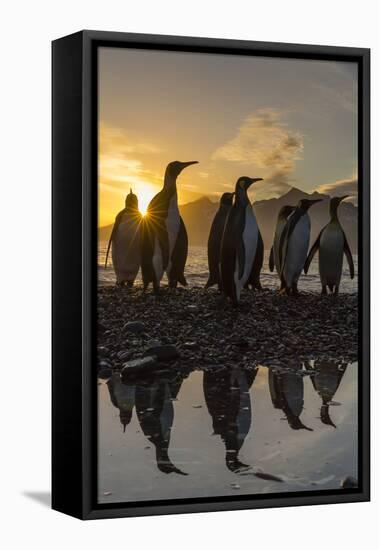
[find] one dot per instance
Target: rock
(123, 355)
(166, 352)
(138, 365)
(153, 343)
(349, 482)
(190, 345)
(134, 326)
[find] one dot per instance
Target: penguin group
(158, 242)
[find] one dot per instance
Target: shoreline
(207, 332)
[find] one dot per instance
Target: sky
(292, 122)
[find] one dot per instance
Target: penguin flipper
(312, 252)
(114, 229)
(271, 263)
(349, 257)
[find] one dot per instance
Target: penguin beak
(185, 164)
(342, 198)
(250, 181)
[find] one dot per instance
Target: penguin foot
(282, 291)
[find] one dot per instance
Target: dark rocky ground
(199, 329)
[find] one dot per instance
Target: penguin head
(227, 199)
(244, 182)
(334, 203)
(174, 168)
(125, 417)
(305, 204)
(131, 200)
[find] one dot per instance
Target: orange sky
(292, 122)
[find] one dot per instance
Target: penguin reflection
(326, 381)
(228, 401)
(287, 394)
(122, 397)
(155, 413)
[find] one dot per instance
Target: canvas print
(227, 296)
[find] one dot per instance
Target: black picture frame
(74, 205)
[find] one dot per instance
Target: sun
(145, 194)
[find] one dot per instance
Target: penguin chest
(126, 254)
(172, 225)
(331, 254)
(250, 239)
(297, 250)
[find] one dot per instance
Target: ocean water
(196, 272)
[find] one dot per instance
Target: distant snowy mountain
(198, 216)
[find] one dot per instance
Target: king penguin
(215, 237)
(165, 240)
(281, 221)
(126, 242)
(293, 246)
(331, 244)
(239, 242)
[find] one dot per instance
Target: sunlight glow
(145, 193)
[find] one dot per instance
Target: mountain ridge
(198, 216)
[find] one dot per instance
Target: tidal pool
(218, 432)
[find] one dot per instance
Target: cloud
(264, 141)
(115, 141)
(119, 165)
(341, 187)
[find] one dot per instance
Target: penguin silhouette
(287, 394)
(155, 412)
(326, 380)
(164, 238)
(215, 237)
(293, 246)
(281, 221)
(228, 402)
(239, 242)
(122, 395)
(331, 244)
(126, 242)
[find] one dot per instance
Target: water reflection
(152, 396)
(326, 380)
(287, 394)
(228, 396)
(228, 401)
